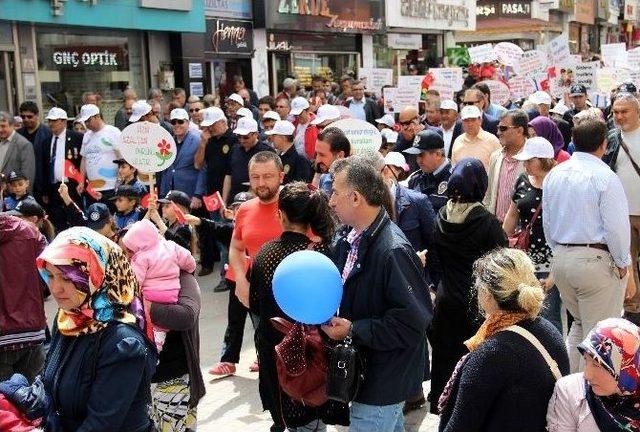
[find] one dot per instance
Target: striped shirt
(509, 172)
(584, 202)
(353, 238)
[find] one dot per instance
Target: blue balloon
(308, 287)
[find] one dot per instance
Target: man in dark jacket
(385, 307)
(22, 319)
(361, 107)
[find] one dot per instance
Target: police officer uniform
(434, 184)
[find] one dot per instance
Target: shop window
(70, 64)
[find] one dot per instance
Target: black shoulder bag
(346, 372)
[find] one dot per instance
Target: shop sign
(226, 36)
(584, 12)
(507, 9)
(228, 8)
(404, 41)
(432, 14)
(87, 57)
(349, 16)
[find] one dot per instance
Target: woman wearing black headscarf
(465, 231)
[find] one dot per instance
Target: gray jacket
(20, 157)
(568, 408)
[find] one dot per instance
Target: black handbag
(346, 372)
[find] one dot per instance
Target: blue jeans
(372, 418)
(551, 308)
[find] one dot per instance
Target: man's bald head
(407, 114)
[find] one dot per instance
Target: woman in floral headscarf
(606, 397)
(98, 371)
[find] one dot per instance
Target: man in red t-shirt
(256, 223)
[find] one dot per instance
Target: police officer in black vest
(432, 177)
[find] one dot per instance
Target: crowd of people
(503, 239)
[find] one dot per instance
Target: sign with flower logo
(148, 147)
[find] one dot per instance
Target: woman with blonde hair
(507, 379)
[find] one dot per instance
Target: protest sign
(451, 76)
(559, 52)
(608, 78)
(633, 59)
(614, 55)
(445, 88)
(364, 137)
(585, 73)
(374, 79)
(147, 146)
(531, 62)
(482, 53)
(389, 96)
(520, 87)
(406, 96)
(500, 93)
(410, 80)
(508, 53)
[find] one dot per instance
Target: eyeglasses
(27, 116)
(176, 121)
(194, 110)
(408, 122)
(466, 103)
(503, 128)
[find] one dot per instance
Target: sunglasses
(176, 121)
(408, 122)
(194, 110)
(503, 128)
(467, 103)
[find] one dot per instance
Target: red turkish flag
(70, 171)
(91, 191)
(144, 201)
(213, 202)
(179, 213)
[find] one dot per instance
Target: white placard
(608, 78)
(363, 137)
(445, 88)
(147, 146)
(406, 96)
(452, 76)
(500, 92)
(614, 55)
(410, 80)
(374, 79)
(389, 96)
(520, 87)
(633, 59)
(482, 53)
(532, 62)
(559, 52)
(585, 73)
(508, 53)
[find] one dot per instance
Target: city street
(233, 403)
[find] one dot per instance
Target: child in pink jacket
(157, 264)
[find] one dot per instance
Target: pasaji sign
(505, 9)
(87, 57)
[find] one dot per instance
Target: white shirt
(357, 109)
(447, 137)
(298, 140)
(99, 150)
(58, 168)
(584, 203)
(627, 174)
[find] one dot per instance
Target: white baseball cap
(246, 125)
(540, 97)
(536, 147)
(386, 119)
(179, 114)
(88, 111)
(389, 135)
(236, 98)
(396, 159)
(449, 104)
(282, 127)
(270, 115)
(56, 113)
(138, 110)
(298, 104)
(470, 111)
(326, 112)
(560, 108)
(244, 112)
(211, 115)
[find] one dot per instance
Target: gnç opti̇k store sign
(432, 14)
